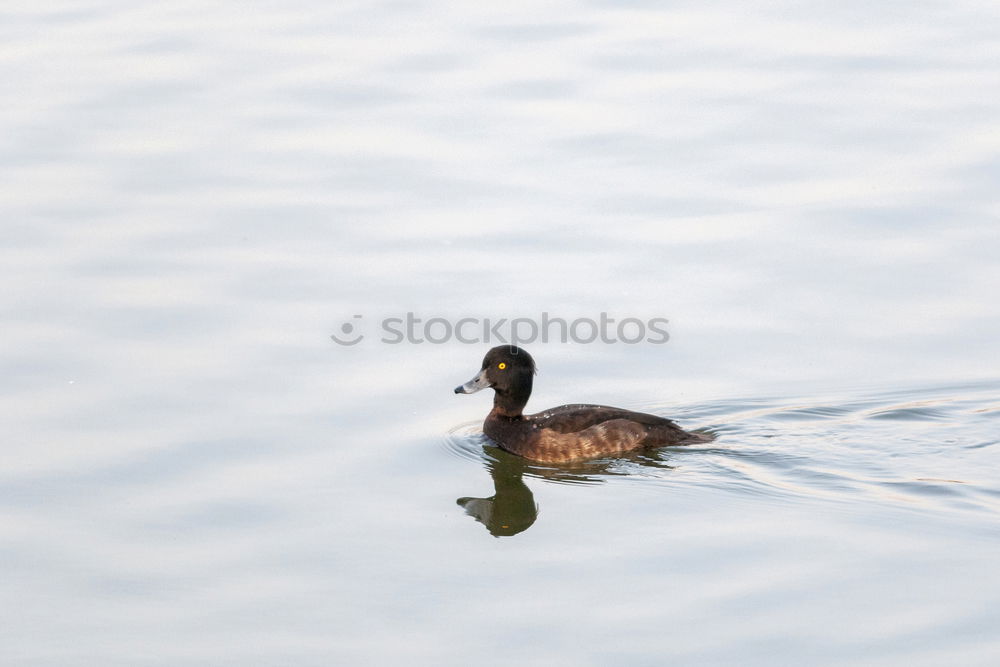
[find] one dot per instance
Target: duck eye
(501, 365)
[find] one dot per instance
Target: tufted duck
(565, 433)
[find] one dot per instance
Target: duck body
(565, 433)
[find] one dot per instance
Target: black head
(508, 370)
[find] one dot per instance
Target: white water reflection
(196, 195)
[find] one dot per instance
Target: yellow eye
(501, 365)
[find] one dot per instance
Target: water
(197, 196)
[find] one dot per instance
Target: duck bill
(474, 385)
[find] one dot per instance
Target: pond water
(197, 196)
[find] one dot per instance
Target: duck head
(508, 370)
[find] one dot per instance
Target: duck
(566, 433)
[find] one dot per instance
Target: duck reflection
(512, 508)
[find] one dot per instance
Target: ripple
(920, 450)
(811, 412)
(466, 441)
(980, 445)
(910, 413)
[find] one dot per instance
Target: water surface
(196, 196)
